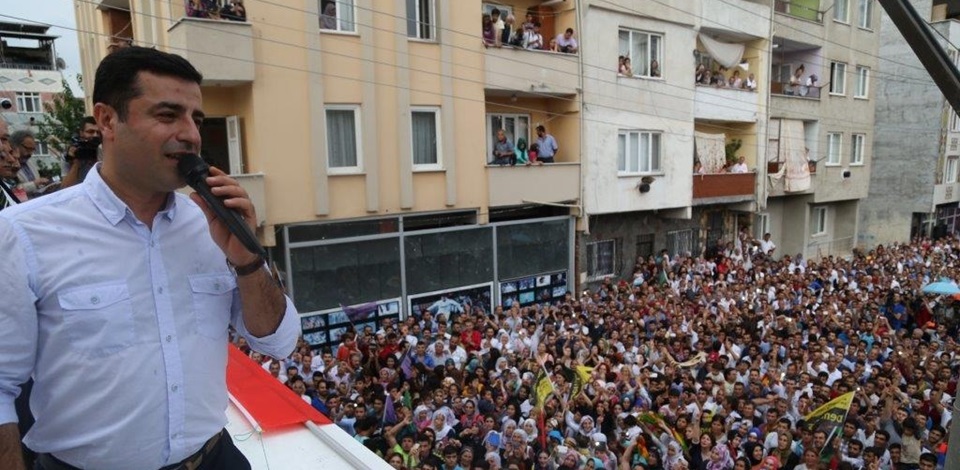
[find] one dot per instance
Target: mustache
(179, 148)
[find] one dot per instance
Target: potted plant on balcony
(731, 150)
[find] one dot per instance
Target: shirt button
(152, 244)
(174, 388)
(95, 300)
(169, 338)
(160, 290)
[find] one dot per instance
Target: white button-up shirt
(123, 328)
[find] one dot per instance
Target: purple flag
(406, 365)
(356, 313)
(389, 413)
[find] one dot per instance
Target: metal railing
(837, 247)
(26, 66)
(798, 91)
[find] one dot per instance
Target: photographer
(83, 152)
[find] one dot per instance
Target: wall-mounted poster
(326, 328)
(544, 288)
(453, 302)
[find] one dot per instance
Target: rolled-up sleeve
(282, 342)
(18, 321)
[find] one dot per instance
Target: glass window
(638, 152)
(841, 11)
(838, 78)
(346, 229)
(834, 147)
(444, 260)
(338, 15)
(515, 126)
(682, 242)
(533, 248)
(601, 259)
(29, 102)
(426, 146)
(862, 82)
(420, 20)
(950, 172)
(856, 149)
(343, 137)
(345, 273)
(865, 13)
(643, 49)
(819, 220)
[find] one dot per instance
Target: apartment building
(30, 78)
(913, 187)
(361, 129)
(821, 131)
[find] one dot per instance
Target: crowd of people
(718, 78)
(697, 362)
(500, 30)
(232, 10)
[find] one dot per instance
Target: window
(865, 10)
(856, 149)
(643, 49)
(645, 245)
(954, 121)
(862, 82)
(838, 78)
(601, 258)
(515, 126)
(420, 17)
(343, 140)
(42, 149)
(338, 15)
(638, 152)
(682, 242)
(29, 102)
(819, 220)
(841, 11)
(950, 171)
(834, 146)
(426, 144)
(762, 226)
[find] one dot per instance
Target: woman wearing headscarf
(720, 459)
(509, 425)
(753, 451)
(442, 423)
(674, 456)
(422, 417)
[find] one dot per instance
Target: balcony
(774, 167)
(256, 188)
(799, 92)
(803, 9)
(738, 16)
(542, 72)
(722, 188)
(517, 185)
(725, 104)
(221, 50)
(945, 193)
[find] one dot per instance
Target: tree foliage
(62, 119)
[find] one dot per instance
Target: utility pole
(943, 72)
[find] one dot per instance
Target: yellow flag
(830, 416)
(542, 388)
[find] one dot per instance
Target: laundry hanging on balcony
(789, 149)
(711, 151)
(726, 54)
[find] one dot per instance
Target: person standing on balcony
(751, 83)
(567, 43)
(532, 39)
(740, 166)
(795, 81)
(547, 145)
(503, 150)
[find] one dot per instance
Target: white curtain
(424, 138)
(711, 151)
(793, 153)
(341, 138)
(726, 54)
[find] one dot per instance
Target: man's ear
(107, 120)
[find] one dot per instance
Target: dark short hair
(87, 120)
(541, 128)
(17, 138)
(116, 82)
(570, 30)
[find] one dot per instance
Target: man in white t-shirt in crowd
(567, 43)
(740, 166)
(767, 247)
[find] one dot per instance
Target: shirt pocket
(99, 318)
(212, 303)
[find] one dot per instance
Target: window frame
(640, 133)
(950, 169)
(834, 65)
(865, 18)
(438, 165)
(431, 22)
(358, 144)
(42, 150)
(954, 121)
(338, 30)
(762, 225)
(858, 142)
(846, 4)
(659, 57)
(831, 136)
(593, 255)
(34, 98)
(862, 76)
(819, 221)
(490, 136)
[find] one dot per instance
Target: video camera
(86, 149)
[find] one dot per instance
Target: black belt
(193, 462)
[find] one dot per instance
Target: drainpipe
(764, 191)
(584, 219)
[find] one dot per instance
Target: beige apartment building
(363, 129)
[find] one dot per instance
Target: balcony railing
(774, 167)
(803, 9)
(726, 104)
(256, 189)
(516, 185)
(795, 91)
(724, 187)
(837, 247)
(221, 50)
(216, 10)
(510, 68)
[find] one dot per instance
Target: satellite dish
(61, 64)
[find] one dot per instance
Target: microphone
(196, 171)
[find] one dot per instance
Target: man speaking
(117, 293)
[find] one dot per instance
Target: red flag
(542, 425)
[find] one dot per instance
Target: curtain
(726, 54)
(341, 138)
(424, 138)
(793, 153)
(711, 150)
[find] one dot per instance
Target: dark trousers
(224, 456)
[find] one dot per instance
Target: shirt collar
(111, 206)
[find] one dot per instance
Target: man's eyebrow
(168, 105)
